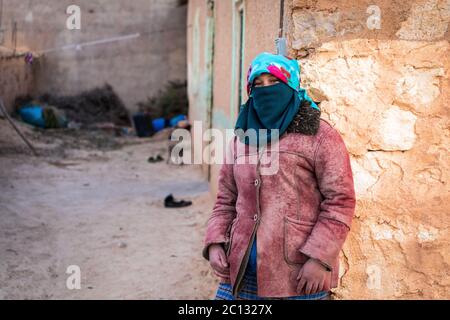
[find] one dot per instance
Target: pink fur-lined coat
(302, 210)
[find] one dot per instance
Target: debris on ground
(159, 124)
(146, 126)
(173, 122)
(43, 116)
(168, 103)
(143, 124)
(100, 104)
(164, 110)
(61, 142)
(157, 158)
(5, 114)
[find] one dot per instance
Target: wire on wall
(1, 16)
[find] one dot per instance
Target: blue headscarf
(275, 106)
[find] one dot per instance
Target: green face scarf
(271, 107)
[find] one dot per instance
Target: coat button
(255, 217)
(256, 182)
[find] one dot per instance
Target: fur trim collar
(306, 121)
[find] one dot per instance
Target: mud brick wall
(16, 77)
(387, 92)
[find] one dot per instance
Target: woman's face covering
(264, 80)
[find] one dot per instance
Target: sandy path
(103, 212)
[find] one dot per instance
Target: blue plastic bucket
(158, 124)
(33, 115)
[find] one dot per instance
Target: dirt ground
(98, 204)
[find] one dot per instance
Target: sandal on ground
(170, 202)
(153, 159)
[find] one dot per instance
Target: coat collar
(306, 121)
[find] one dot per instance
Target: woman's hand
(313, 278)
(218, 260)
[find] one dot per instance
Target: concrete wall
(386, 91)
(136, 68)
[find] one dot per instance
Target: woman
(279, 235)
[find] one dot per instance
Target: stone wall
(386, 91)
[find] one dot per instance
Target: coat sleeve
(224, 210)
(335, 180)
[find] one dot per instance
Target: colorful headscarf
(271, 108)
(282, 67)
